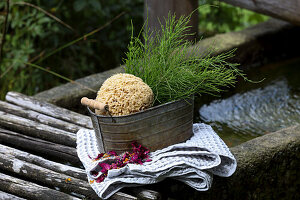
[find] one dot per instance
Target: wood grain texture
(282, 9)
(50, 173)
(45, 176)
(48, 109)
(30, 190)
(39, 146)
(94, 104)
(142, 193)
(38, 117)
(42, 162)
(37, 130)
(158, 10)
(7, 196)
(47, 130)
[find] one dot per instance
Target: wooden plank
(30, 190)
(17, 140)
(42, 162)
(46, 130)
(7, 196)
(282, 9)
(38, 117)
(70, 171)
(36, 129)
(45, 176)
(122, 196)
(52, 179)
(142, 193)
(73, 172)
(48, 109)
(157, 10)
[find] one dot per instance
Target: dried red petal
(112, 153)
(100, 178)
(139, 155)
(94, 173)
(99, 156)
(105, 167)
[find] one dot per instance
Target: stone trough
(267, 165)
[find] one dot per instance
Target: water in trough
(255, 109)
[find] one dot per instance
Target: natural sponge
(125, 94)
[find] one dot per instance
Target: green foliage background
(30, 33)
(220, 17)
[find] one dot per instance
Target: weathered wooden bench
(38, 158)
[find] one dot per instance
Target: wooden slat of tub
(30, 190)
(38, 117)
(36, 129)
(48, 109)
(39, 146)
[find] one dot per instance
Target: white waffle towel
(192, 162)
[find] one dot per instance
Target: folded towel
(192, 162)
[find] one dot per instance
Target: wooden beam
(30, 190)
(39, 146)
(7, 196)
(288, 10)
(48, 109)
(51, 179)
(47, 134)
(38, 117)
(42, 162)
(44, 171)
(142, 193)
(70, 171)
(157, 10)
(36, 129)
(45, 176)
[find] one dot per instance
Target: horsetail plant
(172, 66)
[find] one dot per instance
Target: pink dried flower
(99, 156)
(104, 167)
(139, 155)
(101, 178)
(94, 173)
(112, 153)
(114, 166)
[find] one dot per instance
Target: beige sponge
(125, 94)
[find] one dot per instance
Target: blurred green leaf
(79, 5)
(221, 17)
(95, 4)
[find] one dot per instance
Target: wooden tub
(154, 128)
